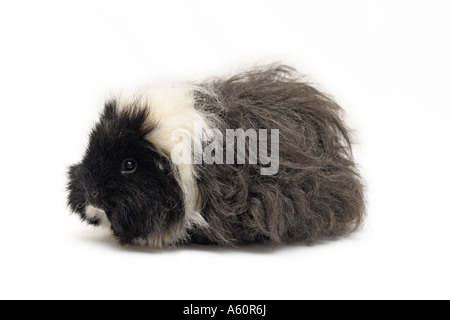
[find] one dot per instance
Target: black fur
(136, 204)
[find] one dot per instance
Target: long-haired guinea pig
(258, 157)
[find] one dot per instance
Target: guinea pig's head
(123, 183)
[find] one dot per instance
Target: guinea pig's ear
(110, 111)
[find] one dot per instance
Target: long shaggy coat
(317, 192)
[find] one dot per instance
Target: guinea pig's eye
(129, 166)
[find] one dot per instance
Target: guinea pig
(257, 157)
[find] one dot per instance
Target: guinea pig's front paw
(140, 242)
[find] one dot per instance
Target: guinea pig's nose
(92, 196)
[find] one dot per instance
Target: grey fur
(317, 193)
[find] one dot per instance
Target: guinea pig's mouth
(96, 216)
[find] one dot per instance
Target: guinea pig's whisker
(81, 205)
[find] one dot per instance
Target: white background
(386, 63)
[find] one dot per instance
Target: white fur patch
(97, 214)
(172, 109)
